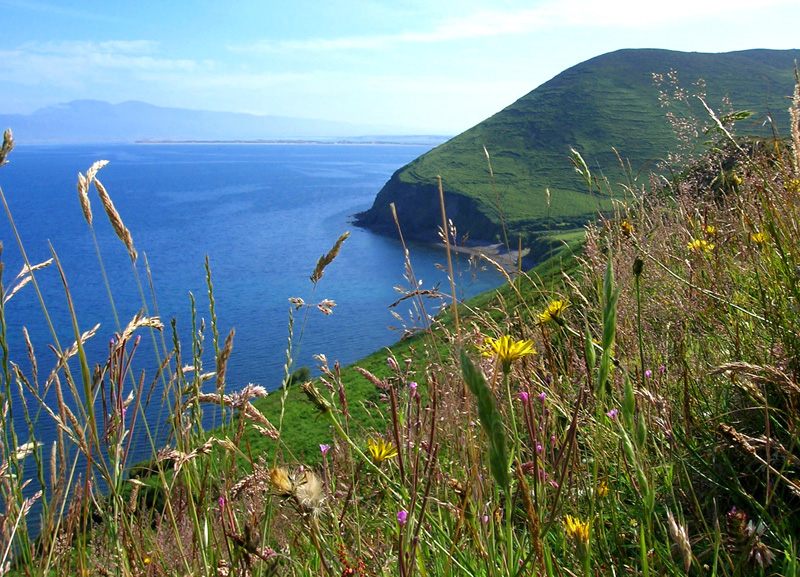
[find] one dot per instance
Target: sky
(417, 66)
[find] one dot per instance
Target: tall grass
(630, 409)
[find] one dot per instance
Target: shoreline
(495, 251)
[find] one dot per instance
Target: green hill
(605, 104)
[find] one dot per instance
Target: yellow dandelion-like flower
(626, 228)
(793, 185)
(578, 532)
(381, 450)
(280, 481)
(576, 529)
(147, 560)
(601, 490)
(700, 246)
(507, 350)
(759, 237)
(710, 230)
(553, 312)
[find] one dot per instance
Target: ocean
(262, 214)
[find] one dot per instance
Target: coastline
(496, 252)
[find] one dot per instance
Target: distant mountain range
(604, 107)
(97, 121)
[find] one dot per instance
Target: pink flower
(402, 517)
(612, 414)
(542, 397)
(324, 449)
(648, 373)
(523, 396)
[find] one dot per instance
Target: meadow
(628, 407)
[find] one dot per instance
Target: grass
(628, 407)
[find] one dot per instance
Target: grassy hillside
(606, 104)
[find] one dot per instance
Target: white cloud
(549, 15)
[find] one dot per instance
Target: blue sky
(433, 66)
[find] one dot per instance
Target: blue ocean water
(263, 214)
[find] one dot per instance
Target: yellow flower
(759, 237)
(700, 246)
(507, 350)
(280, 481)
(602, 490)
(381, 450)
(553, 312)
(626, 228)
(793, 185)
(147, 560)
(578, 532)
(710, 230)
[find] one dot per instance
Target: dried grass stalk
(116, 221)
(327, 258)
(8, 145)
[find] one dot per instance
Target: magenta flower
(523, 396)
(612, 414)
(324, 449)
(542, 397)
(648, 373)
(402, 517)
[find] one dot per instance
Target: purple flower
(413, 387)
(662, 368)
(222, 502)
(648, 373)
(392, 363)
(538, 447)
(402, 517)
(612, 414)
(542, 397)
(523, 396)
(324, 449)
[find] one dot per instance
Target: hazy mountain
(605, 106)
(95, 121)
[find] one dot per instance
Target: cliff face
(419, 211)
(606, 108)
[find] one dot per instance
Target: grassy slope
(303, 433)
(604, 104)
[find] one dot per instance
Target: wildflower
(793, 185)
(523, 396)
(612, 414)
(626, 228)
(601, 490)
(392, 363)
(542, 397)
(578, 531)
(648, 373)
(381, 450)
(700, 246)
(324, 449)
(147, 561)
(553, 312)
(710, 230)
(279, 479)
(412, 387)
(759, 237)
(402, 517)
(507, 350)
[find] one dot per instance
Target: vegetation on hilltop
(630, 407)
(608, 110)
